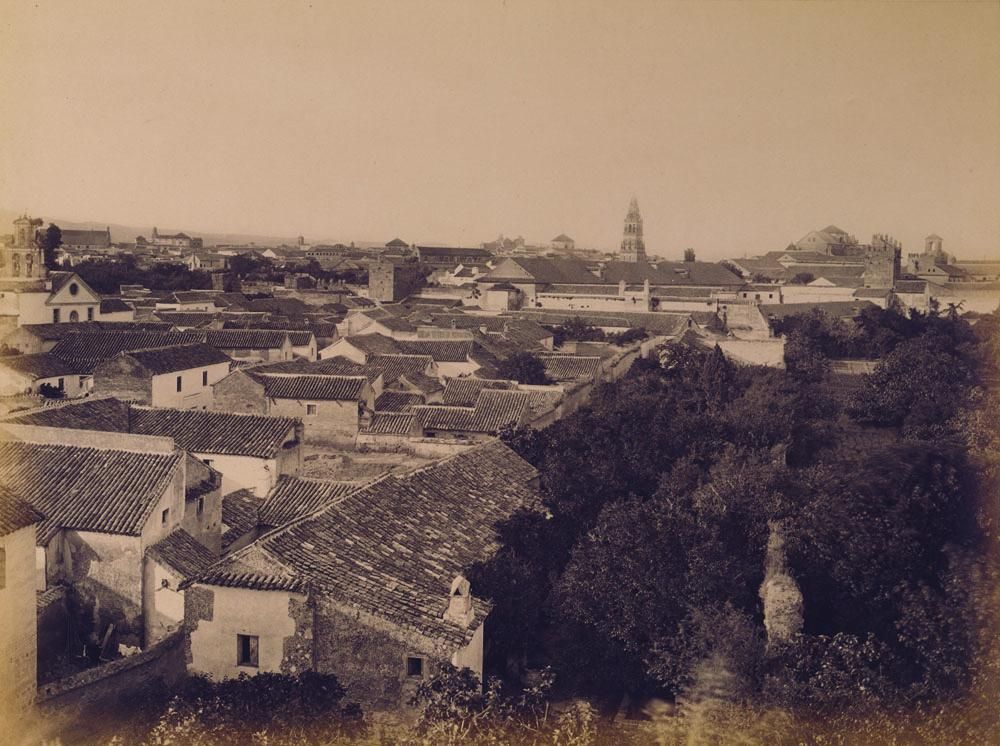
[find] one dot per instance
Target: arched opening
(74, 316)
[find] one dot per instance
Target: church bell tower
(633, 247)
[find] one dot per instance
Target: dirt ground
(351, 466)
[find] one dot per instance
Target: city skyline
(738, 127)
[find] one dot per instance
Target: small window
(74, 316)
(62, 384)
(201, 505)
(246, 650)
(414, 666)
(179, 384)
(74, 288)
(208, 461)
(204, 378)
(310, 409)
(83, 381)
(165, 516)
(90, 314)
(55, 315)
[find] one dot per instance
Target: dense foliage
(523, 367)
(645, 575)
(50, 240)
(107, 277)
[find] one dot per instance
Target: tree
(50, 241)
(523, 367)
(803, 278)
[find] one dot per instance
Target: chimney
(621, 288)
(460, 609)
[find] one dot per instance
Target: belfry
(633, 247)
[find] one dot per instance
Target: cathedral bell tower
(633, 247)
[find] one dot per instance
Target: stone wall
(335, 422)
(98, 689)
(240, 394)
(18, 633)
(122, 378)
(368, 658)
(105, 571)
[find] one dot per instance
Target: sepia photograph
(504, 372)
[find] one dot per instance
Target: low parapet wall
(103, 685)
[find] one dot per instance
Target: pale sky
(739, 127)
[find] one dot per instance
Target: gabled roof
(245, 339)
(101, 345)
(391, 423)
(15, 513)
(397, 401)
(183, 553)
(393, 367)
(190, 319)
(441, 350)
(540, 270)
(86, 488)
(562, 238)
(114, 305)
(393, 548)
(331, 366)
(397, 243)
(463, 392)
(239, 515)
(669, 273)
(161, 360)
(107, 414)
(214, 432)
(41, 365)
(318, 388)
(373, 344)
(493, 411)
(294, 497)
(571, 367)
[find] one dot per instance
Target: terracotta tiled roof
(397, 401)
(107, 414)
(159, 360)
(102, 345)
(293, 497)
(374, 344)
(540, 270)
(114, 305)
(392, 548)
(37, 366)
(423, 383)
(493, 411)
(571, 367)
(182, 552)
(320, 388)
(245, 339)
(190, 319)
(391, 423)
(215, 432)
(463, 392)
(86, 488)
(300, 338)
(15, 513)
(239, 514)
(442, 350)
(333, 366)
(392, 367)
(669, 273)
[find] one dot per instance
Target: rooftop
(294, 497)
(161, 360)
(88, 489)
(180, 551)
(393, 548)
